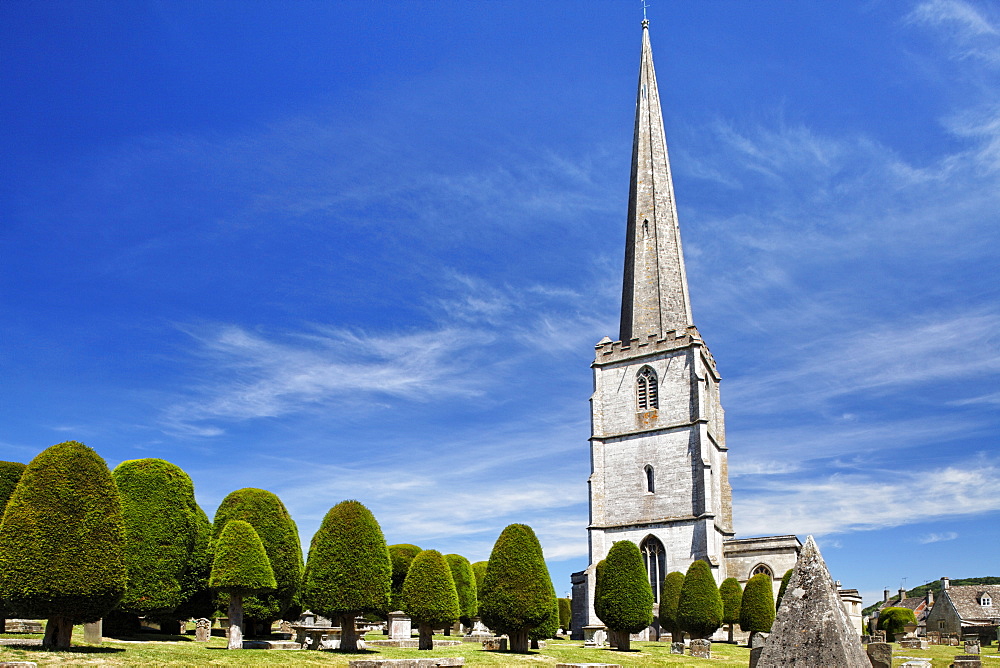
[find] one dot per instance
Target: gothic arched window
(762, 568)
(646, 390)
(650, 480)
(656, 563)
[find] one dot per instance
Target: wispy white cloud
(971, 26)
(937, 537)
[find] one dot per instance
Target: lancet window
(646, 390)
(650, 479)
(656, 563)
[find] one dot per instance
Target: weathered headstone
(757, 639)
(878, 636)
(93, 632)
(594, 636)
(203, 630)
(972, 646)
(812, 628)
(880, 654)
(677, 648)
(934, 637)
(968, 661)
(913, 643)
(701, 648)
(400, 626)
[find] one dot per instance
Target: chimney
(837, 584)
(902, 594)
(944, 583)
(885, 595)
(930, 598)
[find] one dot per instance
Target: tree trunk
(533, 644)
(731, 633)
(519, 641)
(624, 641)
(447, 630)
(348, 634)
(58, 633)
(235, 621)
(426, 636)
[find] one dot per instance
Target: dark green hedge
(565, 613)
(429, 595)
(465, 585)
(241, 565)
(784, 585)
(623, 589)
(757, 609)
(270, 519)
(670, 596)
(349, 569)
(517, 589)
(479, 570)
(161, 533)
(62, 542)
(402, 555)
(892, 621)
(732, 596)
(699, 610)
(198, 600)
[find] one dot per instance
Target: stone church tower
(659, 467)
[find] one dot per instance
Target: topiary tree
(479, 570)
(670, 596)
(465, 585)
(270, 519)
(10, 473)
(781, 589)
(198, 600)
(402, 555)
(757, 608)
(699, 610)
(240, 567)
(565, 614)
(349, 571)
(624, 592)
(517, 589)
(429, 595)
(162, 526)
(62, 542)
(547, 629)
(893, 619)
(732, 596)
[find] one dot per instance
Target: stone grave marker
(400, 626)
(701, 648)
(968, 661)
(812, 628)
(203, 630)
(972, 646)
(880, 654)
(93, 632)
(677, 647)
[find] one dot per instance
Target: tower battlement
(608, 352)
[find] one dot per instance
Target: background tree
(784, 585)
(62, 542)
(479, 570)
(517, 589)
(349, 571)
(270, 519)
(670, 596)
(10, 473)
(162, 526)
(892, 620)
(429, 595)
(699, 610)
(465, 585)
(402, 555)
(565, 614)
(624, 591)
(198, 600)
(757, 608)
(240, 568)
(732, 597)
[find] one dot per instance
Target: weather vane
(644, 7)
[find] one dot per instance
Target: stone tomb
(701, 648)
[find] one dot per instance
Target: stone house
(920, 605)
(852, 602)
(966, 609)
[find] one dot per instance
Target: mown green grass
(184, 651)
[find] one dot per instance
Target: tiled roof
(966, 601)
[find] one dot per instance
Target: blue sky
(364, 250)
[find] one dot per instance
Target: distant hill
(935, 587)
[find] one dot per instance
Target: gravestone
(594, 636)
(968, 661)
(757, 639)
(94, 631)
(701, 648)
(934, 637)
(755, 656)
(203, 630)
(878, 636)
(880, 654)
(677, 648)
(812, 628)
(972, 646)
(400, 626)
(913, 643)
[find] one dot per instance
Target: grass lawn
(184, 651)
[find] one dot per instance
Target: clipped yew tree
(349, 571)
(517, 590)
(893, 619)
(784, 585)
(240, 568)
(732, 596)
(670, 596)
(270, 519)
(465, 585)
(198, 600)
(402, 555)
(565, 614)
(757, 606)
(62, 542)
(163, 532)
(547, 629)
(429, 595)
(479, 570)
(10, 473)
(699, 610)
(624, 591)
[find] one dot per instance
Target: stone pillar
(93, 632)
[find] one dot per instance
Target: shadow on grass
(82, 649)
(149, 637)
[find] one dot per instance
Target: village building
(966, 610)
(659, 459)
(920, 605)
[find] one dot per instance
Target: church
(659, 461)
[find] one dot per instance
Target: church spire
(654, 292)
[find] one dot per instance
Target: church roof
(654, 291)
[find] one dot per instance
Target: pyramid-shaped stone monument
(812, 628)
